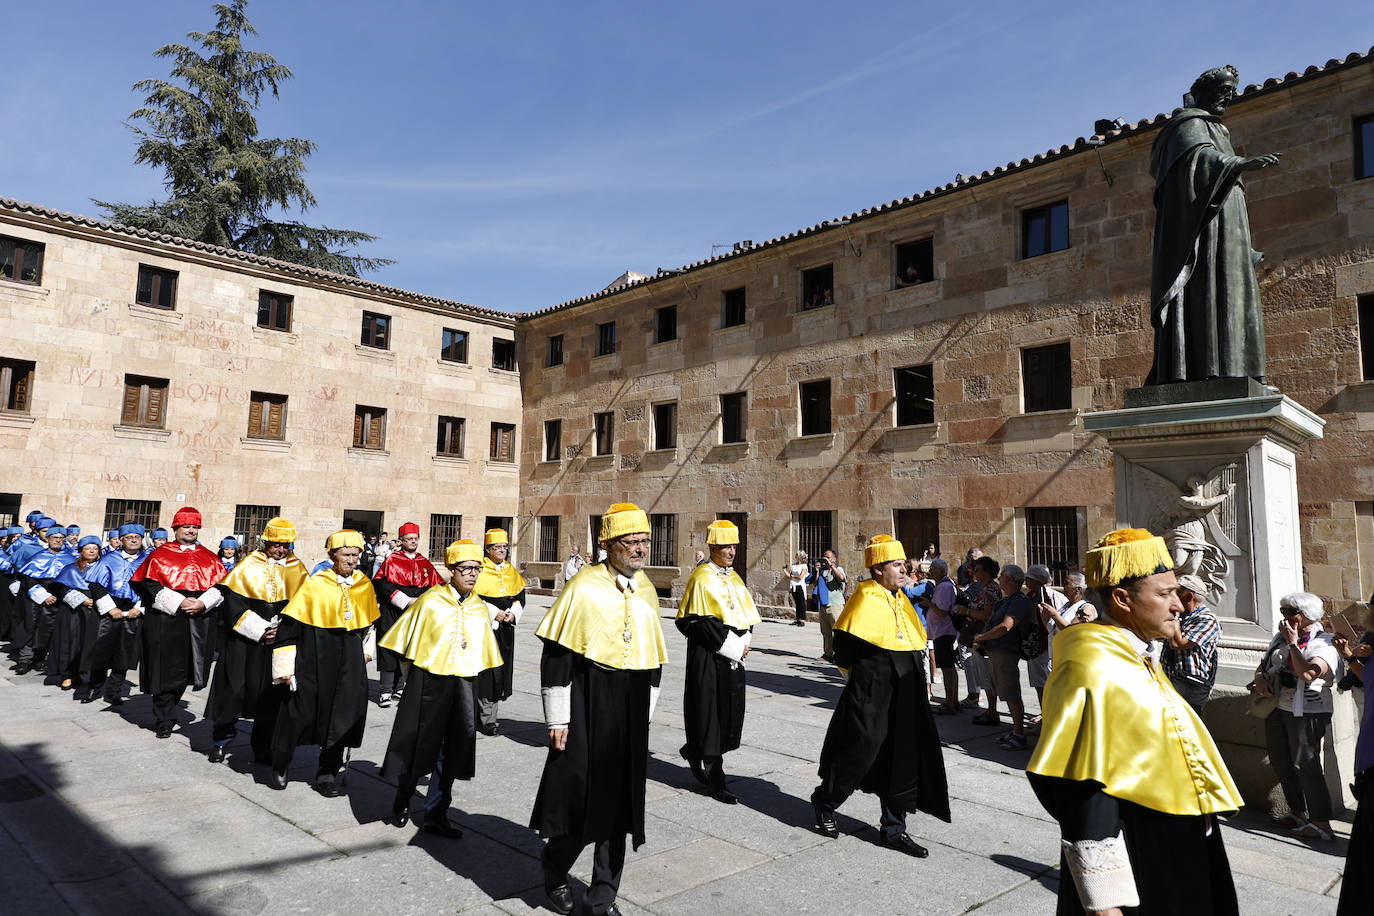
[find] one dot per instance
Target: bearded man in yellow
(323, 646)
(1124, 764)
(603, 652)
(717, 615)
(882, 737)
(255, 592)
(445, 642)
(502, 587)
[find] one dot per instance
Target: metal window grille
(818, 287)
(443, 530)
(915, 387)
(663, 547)
(734, 308)
(1052, 539)
(143, 512)
(503, 354)
(249, 522)
(548, 539)
(815, 533)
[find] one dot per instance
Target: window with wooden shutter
(266, 416)
(502, 442)
(16, 383)
(274, 310)
(21, 260)
(145, 401)
(156, 287)
(369, 427)
(449, 441)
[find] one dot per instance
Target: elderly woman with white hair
(1299, 668)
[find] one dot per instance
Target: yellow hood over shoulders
(444, 635)
(257, 578)
(719, 593)
(505, 582)
(324, 602)
(1112, 718)
(883, 618)
(593, 618)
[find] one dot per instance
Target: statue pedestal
(1221, 476)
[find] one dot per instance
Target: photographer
(832, 573)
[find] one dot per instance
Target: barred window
(663, 544)
(250, 521)
(548, 539)
(21, 260)
(815, 533)
(453, 346)
(443, 530)
(1052, 539)
(143, 512)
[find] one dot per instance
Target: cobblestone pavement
(97, 816)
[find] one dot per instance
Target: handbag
(1259, 705)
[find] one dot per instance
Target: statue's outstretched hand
(1260, 162)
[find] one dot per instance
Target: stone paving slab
(120, 817)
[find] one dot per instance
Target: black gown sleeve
(556, 665)
(850, 649)
(1083, 810)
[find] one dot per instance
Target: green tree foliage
(227, 183)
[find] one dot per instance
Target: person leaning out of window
(1299, 668)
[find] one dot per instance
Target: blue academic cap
(55, 529)
(160, 533)
(88, 539)
(229, 541)
(131, 528)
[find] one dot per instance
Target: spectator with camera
(829, 570)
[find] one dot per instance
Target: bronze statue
(1204, 296)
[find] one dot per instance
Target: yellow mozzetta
(499, 583)
(258, 578)
(883, 618)
(444, 635)
(323, 601)
(719, 593)
(1112, 718)
(615, 629)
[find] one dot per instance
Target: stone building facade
(143, 373)
(950, 409)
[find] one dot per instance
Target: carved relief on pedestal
(1197, 519)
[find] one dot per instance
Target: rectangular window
(555, 351)
(1052, 539)
(274, 310)
(815, 533)
(732, 422)
(665, 324)
(503, 354)
(733, 309)
(369, 427)
(145, 401)
(815, 407)
(1364, 147)
(665, 425)
(915, 262)
(553, 439)
(502, 442)
(143, 512)
(266, 416)
(818, 287)
(1046, 378)
(1045, 229)
(605, 432)
(156, 287)
(376, 330)
(21, 260)
(1366, 337)
(450, 439)
(915, 389)
(251, 521)
(548, 539)
(605, 339)
(663, 540)
(453, 347)
(443, 530)
(16, 384)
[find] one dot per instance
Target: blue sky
(521, 154)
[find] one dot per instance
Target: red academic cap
(408, 528)
(186, 516)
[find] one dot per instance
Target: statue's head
(1213, 90)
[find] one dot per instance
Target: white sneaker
(384, 700)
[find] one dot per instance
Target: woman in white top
(1302, 663)
(796, 585)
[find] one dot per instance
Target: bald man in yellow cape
(882, 737)
(1124, 764)
(603, 657)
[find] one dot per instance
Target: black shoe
(442, 828)
(492, 730)
(904, 843)
(613, 910)
(825, 819)
(88, 698)
(400, 813)
(329, 786)
(725, 796)
(115, 700)
(698, 770)
(559, 899)
(23, 668)
(278, 780)
(216, 754)
(165, 730)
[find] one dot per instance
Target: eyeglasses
(636, 543)
(470, 568)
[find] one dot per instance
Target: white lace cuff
(557, 706)
(74, 599)
(39, 594)
(168, 601)
(105, 604)
(517, 609)
(211, 598)
(1102, 871)
(400, 599)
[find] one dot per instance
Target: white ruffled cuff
(251, 626)
(168, 601)
(1101, 870)
(74, 599)
(557, 705)
(517, 609)
(105, 604)
(370, 644)
(39, 594)
(14, 588)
